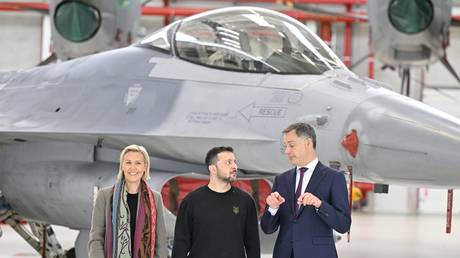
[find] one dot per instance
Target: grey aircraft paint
(224, 77)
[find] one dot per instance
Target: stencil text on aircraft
(200, 117)
(255, 110)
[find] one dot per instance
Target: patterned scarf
(118, 220)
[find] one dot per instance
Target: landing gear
(405, 83)
(40, 236)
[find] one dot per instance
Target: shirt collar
(311, 166)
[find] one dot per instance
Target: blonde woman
(128, 218)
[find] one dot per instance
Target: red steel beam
(171, 11)
(325, 32)
(348, 34)
(330, 1)
(370, 62)
(165, 17)
(301, 15)
(12, 6)
(296, 14)
(450, 198)
(182, 11)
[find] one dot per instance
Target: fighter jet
(404, 34)
(87, 27)
(80, 28)
(233, 76)
(407, 34)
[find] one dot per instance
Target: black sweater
(217, 225)
(132, 204)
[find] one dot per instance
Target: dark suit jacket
(309, 232)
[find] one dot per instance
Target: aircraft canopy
(247, 39)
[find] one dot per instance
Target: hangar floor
(373, 235)
(398, 236)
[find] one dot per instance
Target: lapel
(290, 183)
(316, 177)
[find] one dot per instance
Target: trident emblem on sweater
(236, 209)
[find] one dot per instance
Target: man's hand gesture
(274, 200)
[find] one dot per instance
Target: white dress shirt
(306, 178)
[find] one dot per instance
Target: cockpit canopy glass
(253, 40)
(246, 39)
(161, 38)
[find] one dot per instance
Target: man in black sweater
(217, 220)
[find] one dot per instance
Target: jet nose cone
(401, 140)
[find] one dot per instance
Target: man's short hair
(302, 130)
(211, 156)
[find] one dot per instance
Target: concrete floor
(401, 236)
(373, 235)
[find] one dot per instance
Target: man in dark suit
(307, 202)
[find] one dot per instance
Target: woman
(128, 217)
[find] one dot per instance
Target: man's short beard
(228, 179)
